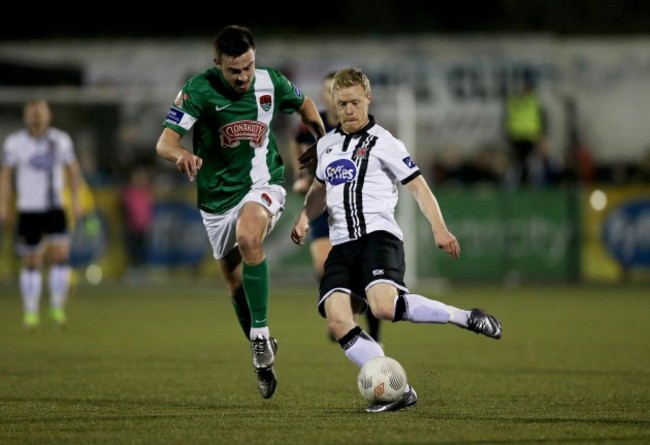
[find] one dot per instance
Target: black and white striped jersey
(361, 172)
(39, 167)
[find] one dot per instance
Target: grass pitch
(168, 364)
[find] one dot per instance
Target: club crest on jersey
(232, 133)
(266, 102)
(410, 163)
(340, 172)
(361, 152)
(267, 199)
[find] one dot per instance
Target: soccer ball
(382, 380)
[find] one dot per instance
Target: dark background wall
(341, 17)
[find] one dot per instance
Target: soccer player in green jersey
(238, 172)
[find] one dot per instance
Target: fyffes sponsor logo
(43, 161)
(340, 172)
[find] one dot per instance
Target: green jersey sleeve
(186, 108)
(289, 95)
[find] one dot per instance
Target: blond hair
(349, 77)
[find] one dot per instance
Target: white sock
(31, 284)
(458, 317)
(59, 285)
(256, 332)
(424, 310)
(363, 350)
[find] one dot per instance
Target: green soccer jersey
(233, 133)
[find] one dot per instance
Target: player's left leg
(59, 278)
(390, 299)
(221, 230)
(419, 309)
(252, 227)
(258, 213)
(231, 269)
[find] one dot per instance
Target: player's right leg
(342, 324)
(30, 229)
(389, 298)
(258, 213)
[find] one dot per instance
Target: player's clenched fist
(300, 229)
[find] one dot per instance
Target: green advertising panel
(517, 236)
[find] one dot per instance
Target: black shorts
(353, 266)
(319, 227)
(33, 226)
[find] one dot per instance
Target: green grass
(168, 364)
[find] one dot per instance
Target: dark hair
(330, 75)
(233, 41)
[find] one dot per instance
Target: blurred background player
(36, 160)
(320, 245)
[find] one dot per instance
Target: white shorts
(221, 229)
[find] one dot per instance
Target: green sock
(242, 311)
(256, 285)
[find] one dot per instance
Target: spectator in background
(137, 198)
(487, 166)
(579, 163)
(525, 127)
(35, 160)
(447, 167)
(544, 168)
(319, 246)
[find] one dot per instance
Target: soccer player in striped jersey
(36, 160)
(359, 165)
(238, 172)
(318, 228)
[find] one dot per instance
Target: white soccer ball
(382, 380)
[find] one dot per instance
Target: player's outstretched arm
(314, 206)
(428, 203)
(169, 147)
(311, 118)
